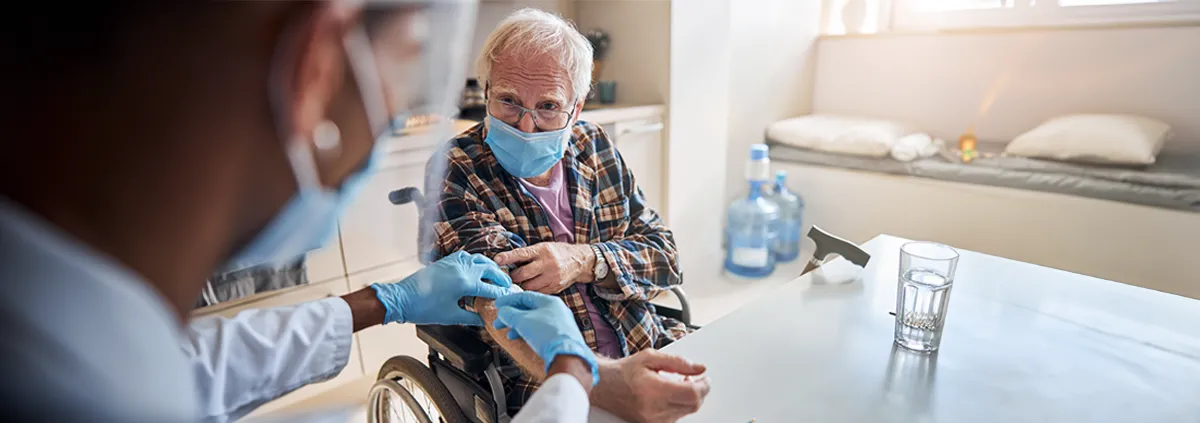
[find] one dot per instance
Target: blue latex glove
(430, 296)
(546, 324)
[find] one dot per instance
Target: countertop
(605, 114)
(427, 138)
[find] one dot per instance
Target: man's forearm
(365, 307)
(611, 381)
(612, 393)
(574, 366)
(518, 350)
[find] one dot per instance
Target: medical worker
(149, 143)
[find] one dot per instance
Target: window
(930, 5)
(948, 14)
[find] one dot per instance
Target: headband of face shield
(407, 59)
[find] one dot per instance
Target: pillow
(838, 134)
(1102, 139)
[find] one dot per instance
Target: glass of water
(926, 276)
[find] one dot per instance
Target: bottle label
(750, 257)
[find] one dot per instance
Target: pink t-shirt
(555, 200)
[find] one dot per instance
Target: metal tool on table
(828, 244)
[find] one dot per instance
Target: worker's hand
(550, 267)
(635, 390)
(431, 295)
(546, 325)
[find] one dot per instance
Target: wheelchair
(462, 383)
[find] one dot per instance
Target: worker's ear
(318, 65)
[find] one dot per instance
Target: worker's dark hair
(43, 37)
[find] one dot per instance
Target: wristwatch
(601, 270)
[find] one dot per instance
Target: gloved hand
(546, 324)
(431, 295)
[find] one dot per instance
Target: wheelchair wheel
(409, 392)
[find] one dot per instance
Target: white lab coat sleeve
(561, 399)
(259, 355)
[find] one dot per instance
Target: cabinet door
(326, 263)
(376, 232)
(640, 143)
(379, 343)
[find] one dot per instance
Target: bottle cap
(780, 175)
(758, 151)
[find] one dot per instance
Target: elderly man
(549, 198)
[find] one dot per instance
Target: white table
(1022, 343)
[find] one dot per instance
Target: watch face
(601, 269)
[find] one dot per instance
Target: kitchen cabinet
(640, 143)
(375, 232)
(326, 263)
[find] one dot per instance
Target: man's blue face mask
(525, 154)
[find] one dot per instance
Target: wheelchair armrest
(665, 311)
(682, 314)
(459, 345)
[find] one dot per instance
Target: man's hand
(634, 389)
(550, 267)
(631, 387)
(431, 295)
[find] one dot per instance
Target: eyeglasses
(543, 119)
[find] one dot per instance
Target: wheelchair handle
(407, 195)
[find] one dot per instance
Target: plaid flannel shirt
(483, 209)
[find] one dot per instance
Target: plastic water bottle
(750, 228)
(791, 213)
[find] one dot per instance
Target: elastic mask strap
(303, 165)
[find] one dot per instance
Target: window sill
(1191, 22)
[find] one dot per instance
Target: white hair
(531, 32)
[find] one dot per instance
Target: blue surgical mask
(525, 154)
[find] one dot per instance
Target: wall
(640, 53)
(1139, 245)
(698, 118)
(770, 75)
(641, 39)
(942, 82)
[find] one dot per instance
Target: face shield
(409, 58)
(417, 54)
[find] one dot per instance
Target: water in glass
(921, 309)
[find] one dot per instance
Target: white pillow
(1104, 139)
(839, 134)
